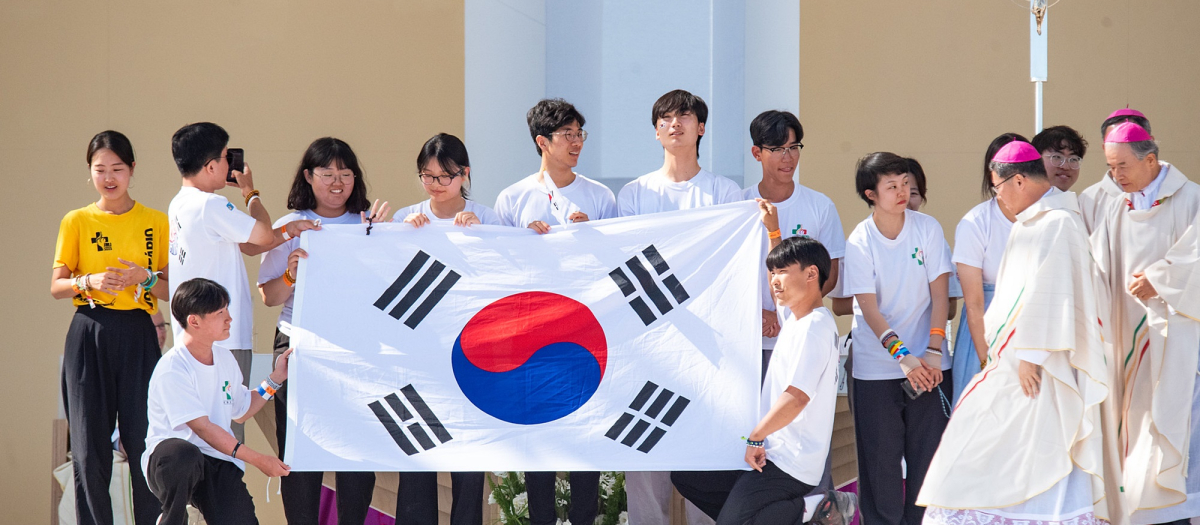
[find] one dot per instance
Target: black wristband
(235, 449)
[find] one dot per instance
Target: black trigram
(417, 290)
(648, 284)
(653, 416)
(415, 429)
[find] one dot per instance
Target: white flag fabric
(625, 344)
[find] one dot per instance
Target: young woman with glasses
(444, 170)
(329, 187)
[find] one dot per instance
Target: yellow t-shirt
(90, 240)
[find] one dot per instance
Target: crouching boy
(195, 393)
(787, 448)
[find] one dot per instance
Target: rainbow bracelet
(265, 390)
(898, 350)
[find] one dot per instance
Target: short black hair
(113, 141)
(770, 128)
(1060, 138)
(197, 296)
(871, 167)
(992, 150)
(548, 115)
(196, 144)
(449, 152)
(1034, 169)
(323, 152)
(803, 250)
(680, 102)
(918, 174)
(1141, 121)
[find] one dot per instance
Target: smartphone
(236, 157)
(911, 391)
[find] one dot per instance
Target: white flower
(500, 475)
(491, 498)
(623, 518)
(564, 522)
(520, 500)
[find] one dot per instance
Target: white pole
(1037, 117)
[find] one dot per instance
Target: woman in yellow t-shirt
(110, 261)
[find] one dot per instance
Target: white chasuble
(1155, 343)
(1003, 453)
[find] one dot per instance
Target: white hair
(1140, 149)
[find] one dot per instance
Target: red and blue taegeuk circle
(530, 358)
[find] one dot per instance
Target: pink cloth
(328, 514)
(1017, 151)
(1128, 132)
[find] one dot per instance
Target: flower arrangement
(509, 494)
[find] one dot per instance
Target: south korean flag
(625, 344)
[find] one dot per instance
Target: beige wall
(382, 75)
(933, 79)
(939, 79)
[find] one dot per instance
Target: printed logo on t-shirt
(229, 206)
(799, 230)
(919, 255)
(101, 242)
(226, 389)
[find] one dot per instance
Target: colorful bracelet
(265, 390)
(897, 349)
(775, 234)
(284, 232)
(250, 196)
(288, 277)
(888, 334)
(755, 444)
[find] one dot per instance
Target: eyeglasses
(793, 149)
(162, 325)
(1055, 159)
(329, 177)
(442, 180)
(1010, 177)
(572, 136)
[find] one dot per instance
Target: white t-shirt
(806, 212)
(980, 238)
(206, 230)
(528, 200)
(898, 271)
(653, 193)
(485, 214)
(275, 261)
(806, 357)
(183, 389)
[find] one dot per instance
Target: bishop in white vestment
(1144, 235)
(1024, 444)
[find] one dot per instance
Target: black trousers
(888, 427)
(180, 474)
(107, 363)
(585, 497)
(738, 497)
(417, 501)
(301, 491)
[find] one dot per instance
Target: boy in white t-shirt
(195, 394)
(209, 234)
(678, 118)
(898, 269)
(788, 447)
(555, 195)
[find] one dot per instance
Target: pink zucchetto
(1128, 132)
(1017, 151)
(1126, 113)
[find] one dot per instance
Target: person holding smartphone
(109, 260)
(329, 187)
(898, 270)
(209, 234)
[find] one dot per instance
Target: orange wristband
(938, 331)
(775, 234)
